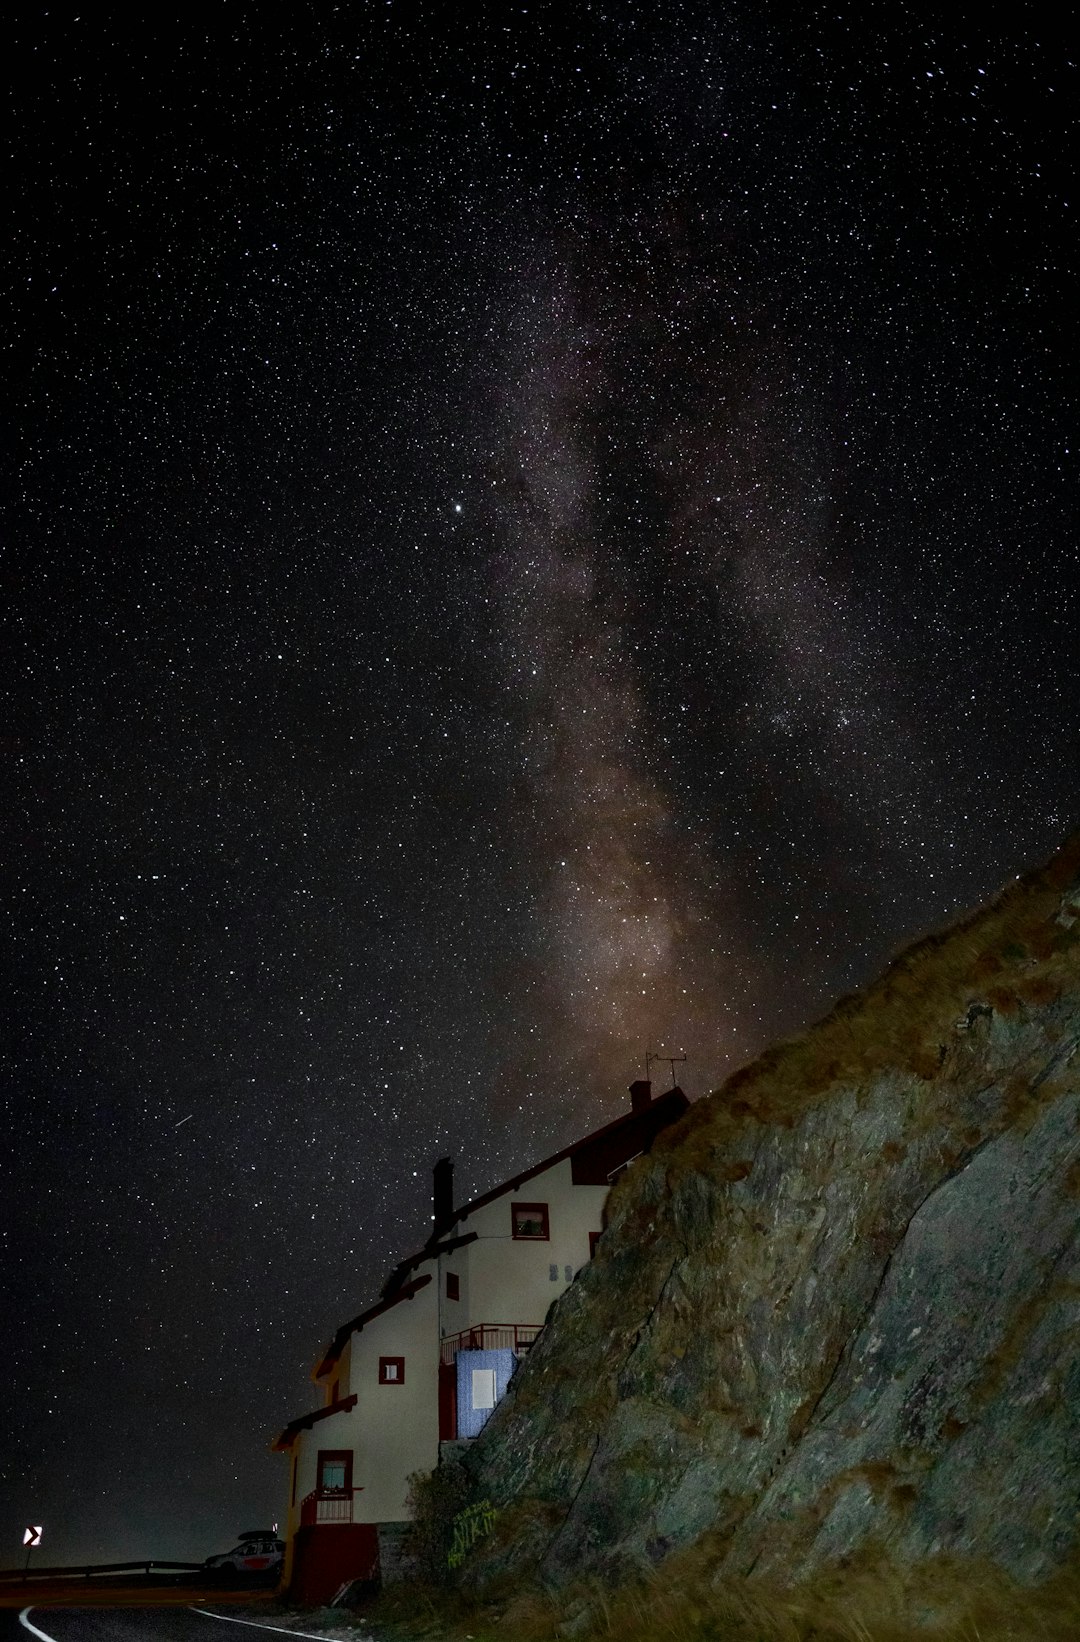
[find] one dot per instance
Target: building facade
(428, 1362)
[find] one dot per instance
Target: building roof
(285, 1441)
(634, 1133)
(594, 1159)
(355, 1324)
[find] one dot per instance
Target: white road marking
(23, 1620)
(314, 1636)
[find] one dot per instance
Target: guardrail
(489, 1337)
(88, 1570)
(327, 1505)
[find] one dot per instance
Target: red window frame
(385, 1377)
(334, 1456)
(534, 1211)
(453, 1286)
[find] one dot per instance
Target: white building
(428, 1362)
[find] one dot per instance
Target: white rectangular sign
(483, 1388)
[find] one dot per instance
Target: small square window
(453, 1286)
(530, 1220)
(391, 1370)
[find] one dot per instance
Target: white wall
(337, 1384)
(339, 1431)
(509, 1280)
(398, 1424)
(454, 1314)
(393, 1430)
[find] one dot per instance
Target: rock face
(839, 1303)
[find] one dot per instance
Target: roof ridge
(440, 1243)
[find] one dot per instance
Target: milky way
(529, 539)
(627, 973)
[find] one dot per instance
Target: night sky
(528, 534)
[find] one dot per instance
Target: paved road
(162, 1624)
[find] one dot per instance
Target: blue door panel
(474, 1371)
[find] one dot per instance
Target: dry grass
(940, 1601)
(1017, 955)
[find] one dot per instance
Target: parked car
(259, 1551)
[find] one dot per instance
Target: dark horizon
(529, 538)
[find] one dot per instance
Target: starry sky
(529, 534)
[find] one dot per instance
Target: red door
(447, 1402)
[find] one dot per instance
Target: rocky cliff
(837, 1306)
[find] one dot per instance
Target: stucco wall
(454, 1315)
(338, 1431)
(393, 1430)
(397, 1425)
(338, 1387)
(510, 1280)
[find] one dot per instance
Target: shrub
(436, 1498)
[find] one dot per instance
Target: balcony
(490, 1337)
(327, 1505)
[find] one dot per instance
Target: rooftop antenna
(669, 1060)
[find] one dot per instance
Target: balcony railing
(490, 1337)
(326, 1505)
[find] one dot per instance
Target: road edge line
(44, 1635)
(313, 1636)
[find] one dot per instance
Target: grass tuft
(1012, 957)
(872, 1601)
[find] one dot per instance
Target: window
(335, 1470)
(529, 1220)
(453, 1286)
(483, 1388)
(391, 1370)
(594, 1238)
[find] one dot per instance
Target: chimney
(640, 1095)
(442, 1194)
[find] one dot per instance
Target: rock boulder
(839, 1303)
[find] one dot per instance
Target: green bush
(436, 1499)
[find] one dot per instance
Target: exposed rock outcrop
(839, 1304)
